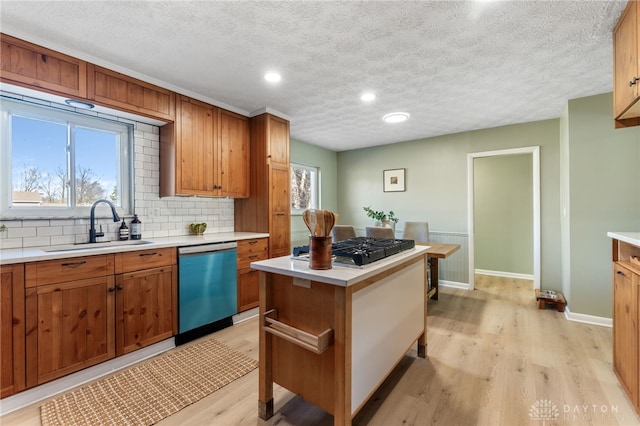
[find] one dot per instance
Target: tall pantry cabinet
(268, 207)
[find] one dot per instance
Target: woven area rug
(147, 393)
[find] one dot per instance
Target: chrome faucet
(92, 230)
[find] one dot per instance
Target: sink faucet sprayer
(92, 230)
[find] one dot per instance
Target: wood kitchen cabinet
(626, 318)
(204, 152)
(112, 89)
(268, 207)
(69, 316)
(12, 346)
(626, 63)
(248, 279)
(29, 65)
(146, 298)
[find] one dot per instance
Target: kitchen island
(333, 336)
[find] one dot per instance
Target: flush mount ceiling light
(367, 97)
(396, 117)
(272, 77)
(78, 104)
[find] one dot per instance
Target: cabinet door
(12, 349)
(33, 66)
(234, 155)
(626, 63)
(280, 226)
(278, 142)
(248, 289)
(625, 329)
(117, 90)
(145, 308)
(70, 326)
(195, 148)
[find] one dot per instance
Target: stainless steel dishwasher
(207, 289)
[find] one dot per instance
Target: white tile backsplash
(161, 217)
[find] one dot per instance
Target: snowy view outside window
(304, 188)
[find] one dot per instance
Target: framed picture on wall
(393, 180)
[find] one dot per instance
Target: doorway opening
(534, 152)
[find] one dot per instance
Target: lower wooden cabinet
(12, 350)
(70, 326)
(626, 318)
(145, 308)
(248, 285)
(74, 322)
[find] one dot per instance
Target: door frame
(535, 157)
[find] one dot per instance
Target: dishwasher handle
(207, 248)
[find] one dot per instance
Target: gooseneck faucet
(92, 230)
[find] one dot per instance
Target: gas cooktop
(360, 251)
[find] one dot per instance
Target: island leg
(422, 340)
(265, 376)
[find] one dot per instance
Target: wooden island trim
(311, 307)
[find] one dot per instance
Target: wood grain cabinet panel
(268, 207)
(29, 65)
(205, 152)
(248, 279)
(12, 330)
(626, 64)
(626, 318)
(70, 326)
(112, 89)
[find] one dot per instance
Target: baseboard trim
(504, 274)
(588, 319)
(243, 316)
(453, 284)
(63, 384)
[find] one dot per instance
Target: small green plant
(3, 227)
(380, 215)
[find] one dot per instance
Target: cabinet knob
(111, 289)
(620, 273)
(120, 287)
(633, 81)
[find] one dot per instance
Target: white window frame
(125, 131)
(315, 187)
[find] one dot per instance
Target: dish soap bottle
(136, 228)
(124, 231)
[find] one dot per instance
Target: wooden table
(435, 252)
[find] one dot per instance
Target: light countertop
(338, 275)
(627, 237)
(32, 254)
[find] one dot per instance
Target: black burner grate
(361, 250)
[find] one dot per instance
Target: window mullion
(71, 169)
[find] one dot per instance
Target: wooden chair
(380, 232)
(342, 232)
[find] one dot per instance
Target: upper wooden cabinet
(626, 63)
(29, 65)
(204, 152)
(112, 89)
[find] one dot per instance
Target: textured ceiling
(453, 65)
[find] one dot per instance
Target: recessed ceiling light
(272, 77)
(367, 97)
(396, 117)
(78, 104)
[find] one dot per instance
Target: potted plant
(382, 218)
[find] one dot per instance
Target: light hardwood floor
(493, 358)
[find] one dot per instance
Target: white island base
(334, 340)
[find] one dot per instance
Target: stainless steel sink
(91, 246)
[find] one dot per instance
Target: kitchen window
(304, 188)
(56, 163)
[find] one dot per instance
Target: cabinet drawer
(144, 259)
(70, 269)
(252, 250)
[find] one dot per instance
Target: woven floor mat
(145, 394)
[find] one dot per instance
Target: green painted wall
(503, 213)
(326, 161)
(603, 168)
(437, 182)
